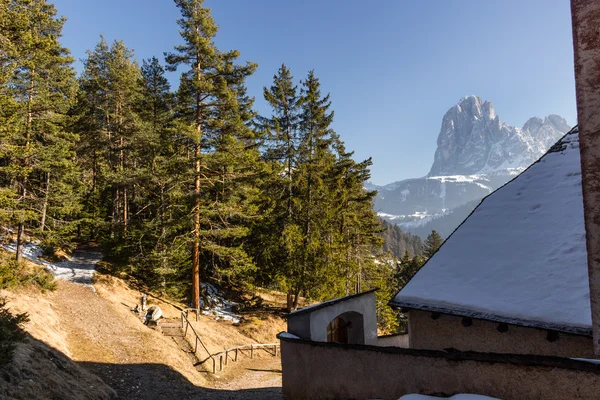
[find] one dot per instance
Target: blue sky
(393, 67)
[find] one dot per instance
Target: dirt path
(80, 268)
(136, 361)
(88, 318)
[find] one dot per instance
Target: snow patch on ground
(217, 305)
(31, 252)
(404, 194)
(79, 268)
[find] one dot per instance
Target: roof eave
(575, 330)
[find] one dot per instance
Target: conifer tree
(315, 161)
(36, 159)
(110, 128)
(206, 89)
(157, 184)
(278, 230)
(282, 128)
(432, 244)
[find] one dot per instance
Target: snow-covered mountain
(476, 154)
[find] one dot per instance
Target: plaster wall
(299, 325)
(586, 43)
(333, 371)
(365, 305)
(393, 341)
(447, 331)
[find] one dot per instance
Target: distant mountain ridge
(476, 154)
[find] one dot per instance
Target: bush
(8, 276)
(13, 274)
(10, 331)
(45, 280)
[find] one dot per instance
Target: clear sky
(393, 67)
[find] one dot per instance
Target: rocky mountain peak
(473, 140)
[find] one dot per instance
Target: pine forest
(188, 184)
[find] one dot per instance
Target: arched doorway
(337, 331)
(346, 328)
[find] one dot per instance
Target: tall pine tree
(207, 89)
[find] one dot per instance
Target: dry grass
(98, 327)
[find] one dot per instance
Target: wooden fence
(225, 354)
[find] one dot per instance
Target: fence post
(221, 362)
(251, 351)
(226, 356)
(197, 315)
(186, 328)
(275, 350)
(236, 354)
(214, 365)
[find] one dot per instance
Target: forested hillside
(181, 184)
(399, 242)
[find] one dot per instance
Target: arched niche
(347, 328)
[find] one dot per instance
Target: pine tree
(315, 161)
(282, 128)
(110, 129)
(158, 184)
(282, 151)
(352, 214)
(207, 88)
(432, 244)
(36, 161)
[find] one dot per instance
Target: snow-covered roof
(520, 257)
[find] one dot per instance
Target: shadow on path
(159, 381)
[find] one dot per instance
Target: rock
(472, 140)
(153, 314)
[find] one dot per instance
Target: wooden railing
(235, 350)
(185, 324)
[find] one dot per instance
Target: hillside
(101, 348)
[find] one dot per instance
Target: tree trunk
(289, 301)
(122, 168)
(295, 301)
(20, 230)
(22, 189)
(196, 252)
(45, 206)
